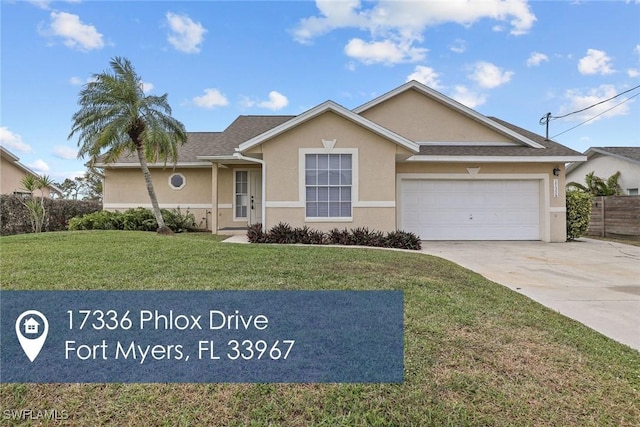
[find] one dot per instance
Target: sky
(513, 59)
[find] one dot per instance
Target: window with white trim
(177, 181)
(241, 194)
(328, 184)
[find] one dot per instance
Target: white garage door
(471, 210)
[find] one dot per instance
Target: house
(31, 326)
(606, 161)
(411, 159)
(12, 172)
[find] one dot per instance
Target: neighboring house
(411, 159)
(12, 172)
(606, 161)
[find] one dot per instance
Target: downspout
(264, 182)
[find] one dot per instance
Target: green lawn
(476, 353)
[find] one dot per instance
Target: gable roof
(337, 109)
(454, 105)
(248, 131)
(12, 158)
(629, 154)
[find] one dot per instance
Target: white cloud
(186, 35)
(578, 100)
(396, 26)
(39, 166)
(277, 101)
(147, 87)
(596, 62)
(77, 81)
(489, 76)
(12, 141)
(636, 49)
(211, 98)
(75, 34)
(467, 97)
(386, 51)
(64, 152)
(536, 58)
(403, 17)
(458, 46)
(633, 73)
(425, 75)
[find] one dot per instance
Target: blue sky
(512, 59)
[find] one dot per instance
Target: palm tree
(597, 186)
(116, 118)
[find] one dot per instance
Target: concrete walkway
(594, 282)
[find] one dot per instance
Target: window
(328, 182)
(177, 181)
(241, 195)
(632, 191)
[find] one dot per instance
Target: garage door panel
(471, 210)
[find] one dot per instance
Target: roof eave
(494, 159)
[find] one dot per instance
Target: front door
(255, 196)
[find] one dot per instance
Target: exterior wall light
(556, 171)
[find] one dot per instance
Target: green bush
(138, 219)
(179, 222)
(15, 218)
(102, 220)
(362, 236)
(578, 213)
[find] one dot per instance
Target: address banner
(201, 336)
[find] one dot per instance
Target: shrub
(139, 219)
(101, 220)
(402, 240)
(15, 218)
(339, 237)
(179, 222)
(578, 213)
(362, 236)
(281, 233)
(255, 234)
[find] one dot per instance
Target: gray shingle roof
(220, 143)
(629, 153)
(246, 127)
(551, 148)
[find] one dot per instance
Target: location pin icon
(32, 329)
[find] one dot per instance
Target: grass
(476, 353)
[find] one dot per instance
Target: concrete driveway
(594, 282)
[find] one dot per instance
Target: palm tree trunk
(162, 228)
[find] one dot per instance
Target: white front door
(255, 196)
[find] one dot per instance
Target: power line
(544, 120)
(597, 115)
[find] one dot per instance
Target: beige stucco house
(12, 172)
(411, 159)
(606, 161)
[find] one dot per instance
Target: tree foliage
(117, 118)
(85, 187)
(35, 204)
(597, 186)
(578, 213)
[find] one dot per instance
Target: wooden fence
(615, 216)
